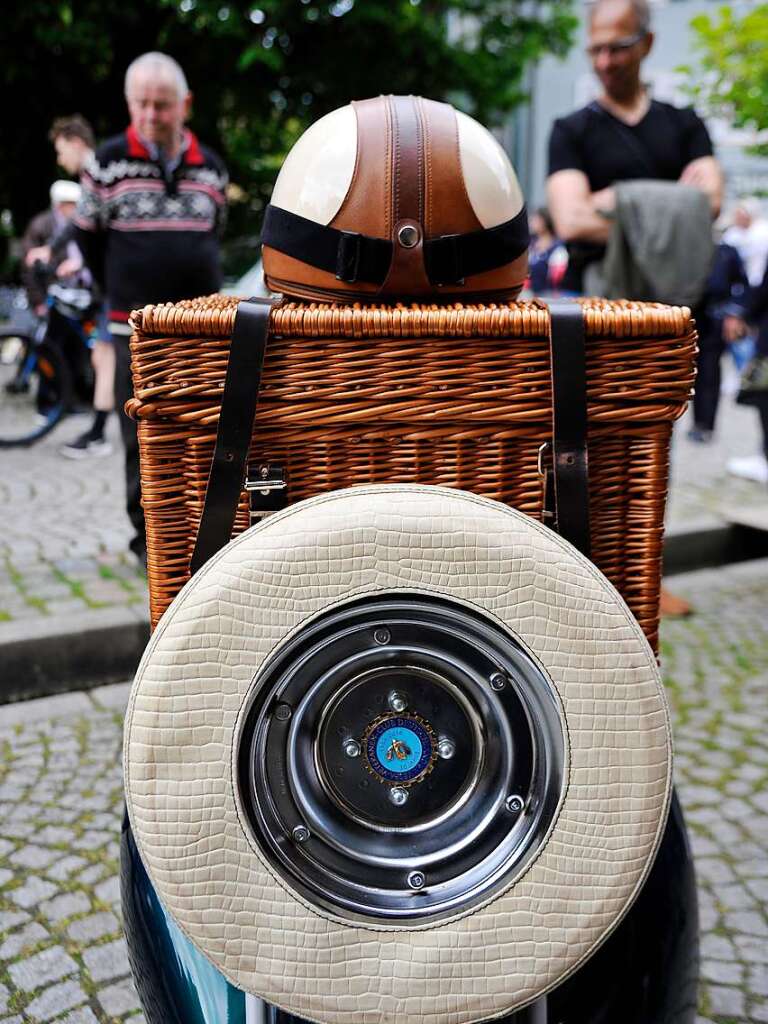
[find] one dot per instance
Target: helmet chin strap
(352, 257)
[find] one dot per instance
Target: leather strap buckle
(348, 256)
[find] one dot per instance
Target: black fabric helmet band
(353, 257)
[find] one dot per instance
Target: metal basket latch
(267, 490)
(547, 490)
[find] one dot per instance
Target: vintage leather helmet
(393, 198)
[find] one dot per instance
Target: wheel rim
(402, 759)
(32, 389)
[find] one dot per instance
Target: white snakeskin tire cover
(186, 709)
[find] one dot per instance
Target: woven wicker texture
(458, 396)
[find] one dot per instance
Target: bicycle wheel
(35, 387)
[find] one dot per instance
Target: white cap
(63, 191)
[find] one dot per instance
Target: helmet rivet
(408, 236)
(514, 804)
(416, 880)
(283, 712)
(300, 834)
(382, 635)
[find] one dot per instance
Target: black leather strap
(353, 257)
(569, 423)
(238, 408)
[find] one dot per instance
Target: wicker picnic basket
(459, 396)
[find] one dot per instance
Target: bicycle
(45, 368)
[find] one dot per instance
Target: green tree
(260, 70)
(732, 77)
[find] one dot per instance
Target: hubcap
(379, 803)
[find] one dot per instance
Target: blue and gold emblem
(399, 748)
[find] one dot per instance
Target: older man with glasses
(623, 136)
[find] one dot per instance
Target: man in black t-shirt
(623, 135)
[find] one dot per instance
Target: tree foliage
(732, 79)
(260, 70)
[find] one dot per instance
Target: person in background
(45, 241)
(73, 140)
(149, 222)
(748, 232)
(754, 467)
(547, 258)
(725, 295)
(623, 135)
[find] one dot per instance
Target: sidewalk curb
(77, 652)
(706, 546)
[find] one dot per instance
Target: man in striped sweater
(149, 222)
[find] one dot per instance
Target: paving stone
(747, 922)
(53, 1000)
(66, 905)
(109, 891)
(55, 835)
(4, 997)
(27, 936)
(65, 867)
(32, 892)
(715, 947)
(119, 998)
(5, 876)
(51, 964)
(758, 1011)
(726, 1001)
(751, 950)
(88, 929)
(107, 961)
(757, 979)
(84, 1015)
(34, 857)
(722, 972)
(5, 847)
(92, 874)
(10, 918)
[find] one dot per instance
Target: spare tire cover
(609, 750)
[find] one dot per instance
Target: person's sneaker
(752, 467)
(700, 435)
(86, 446)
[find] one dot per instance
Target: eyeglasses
(619, 47)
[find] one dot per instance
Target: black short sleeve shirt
(607, 150)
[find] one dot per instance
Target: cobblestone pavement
(62, 956)
(64, 539)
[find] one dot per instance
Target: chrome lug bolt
(300, 834)
(382, 635)
(351, 748)
(398, 795)
(514, 804)
(397, 701)
(498, 681)
(416, 880)
(446, 748)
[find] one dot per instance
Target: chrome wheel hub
(415, 748)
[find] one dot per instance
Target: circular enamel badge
(399, 748)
